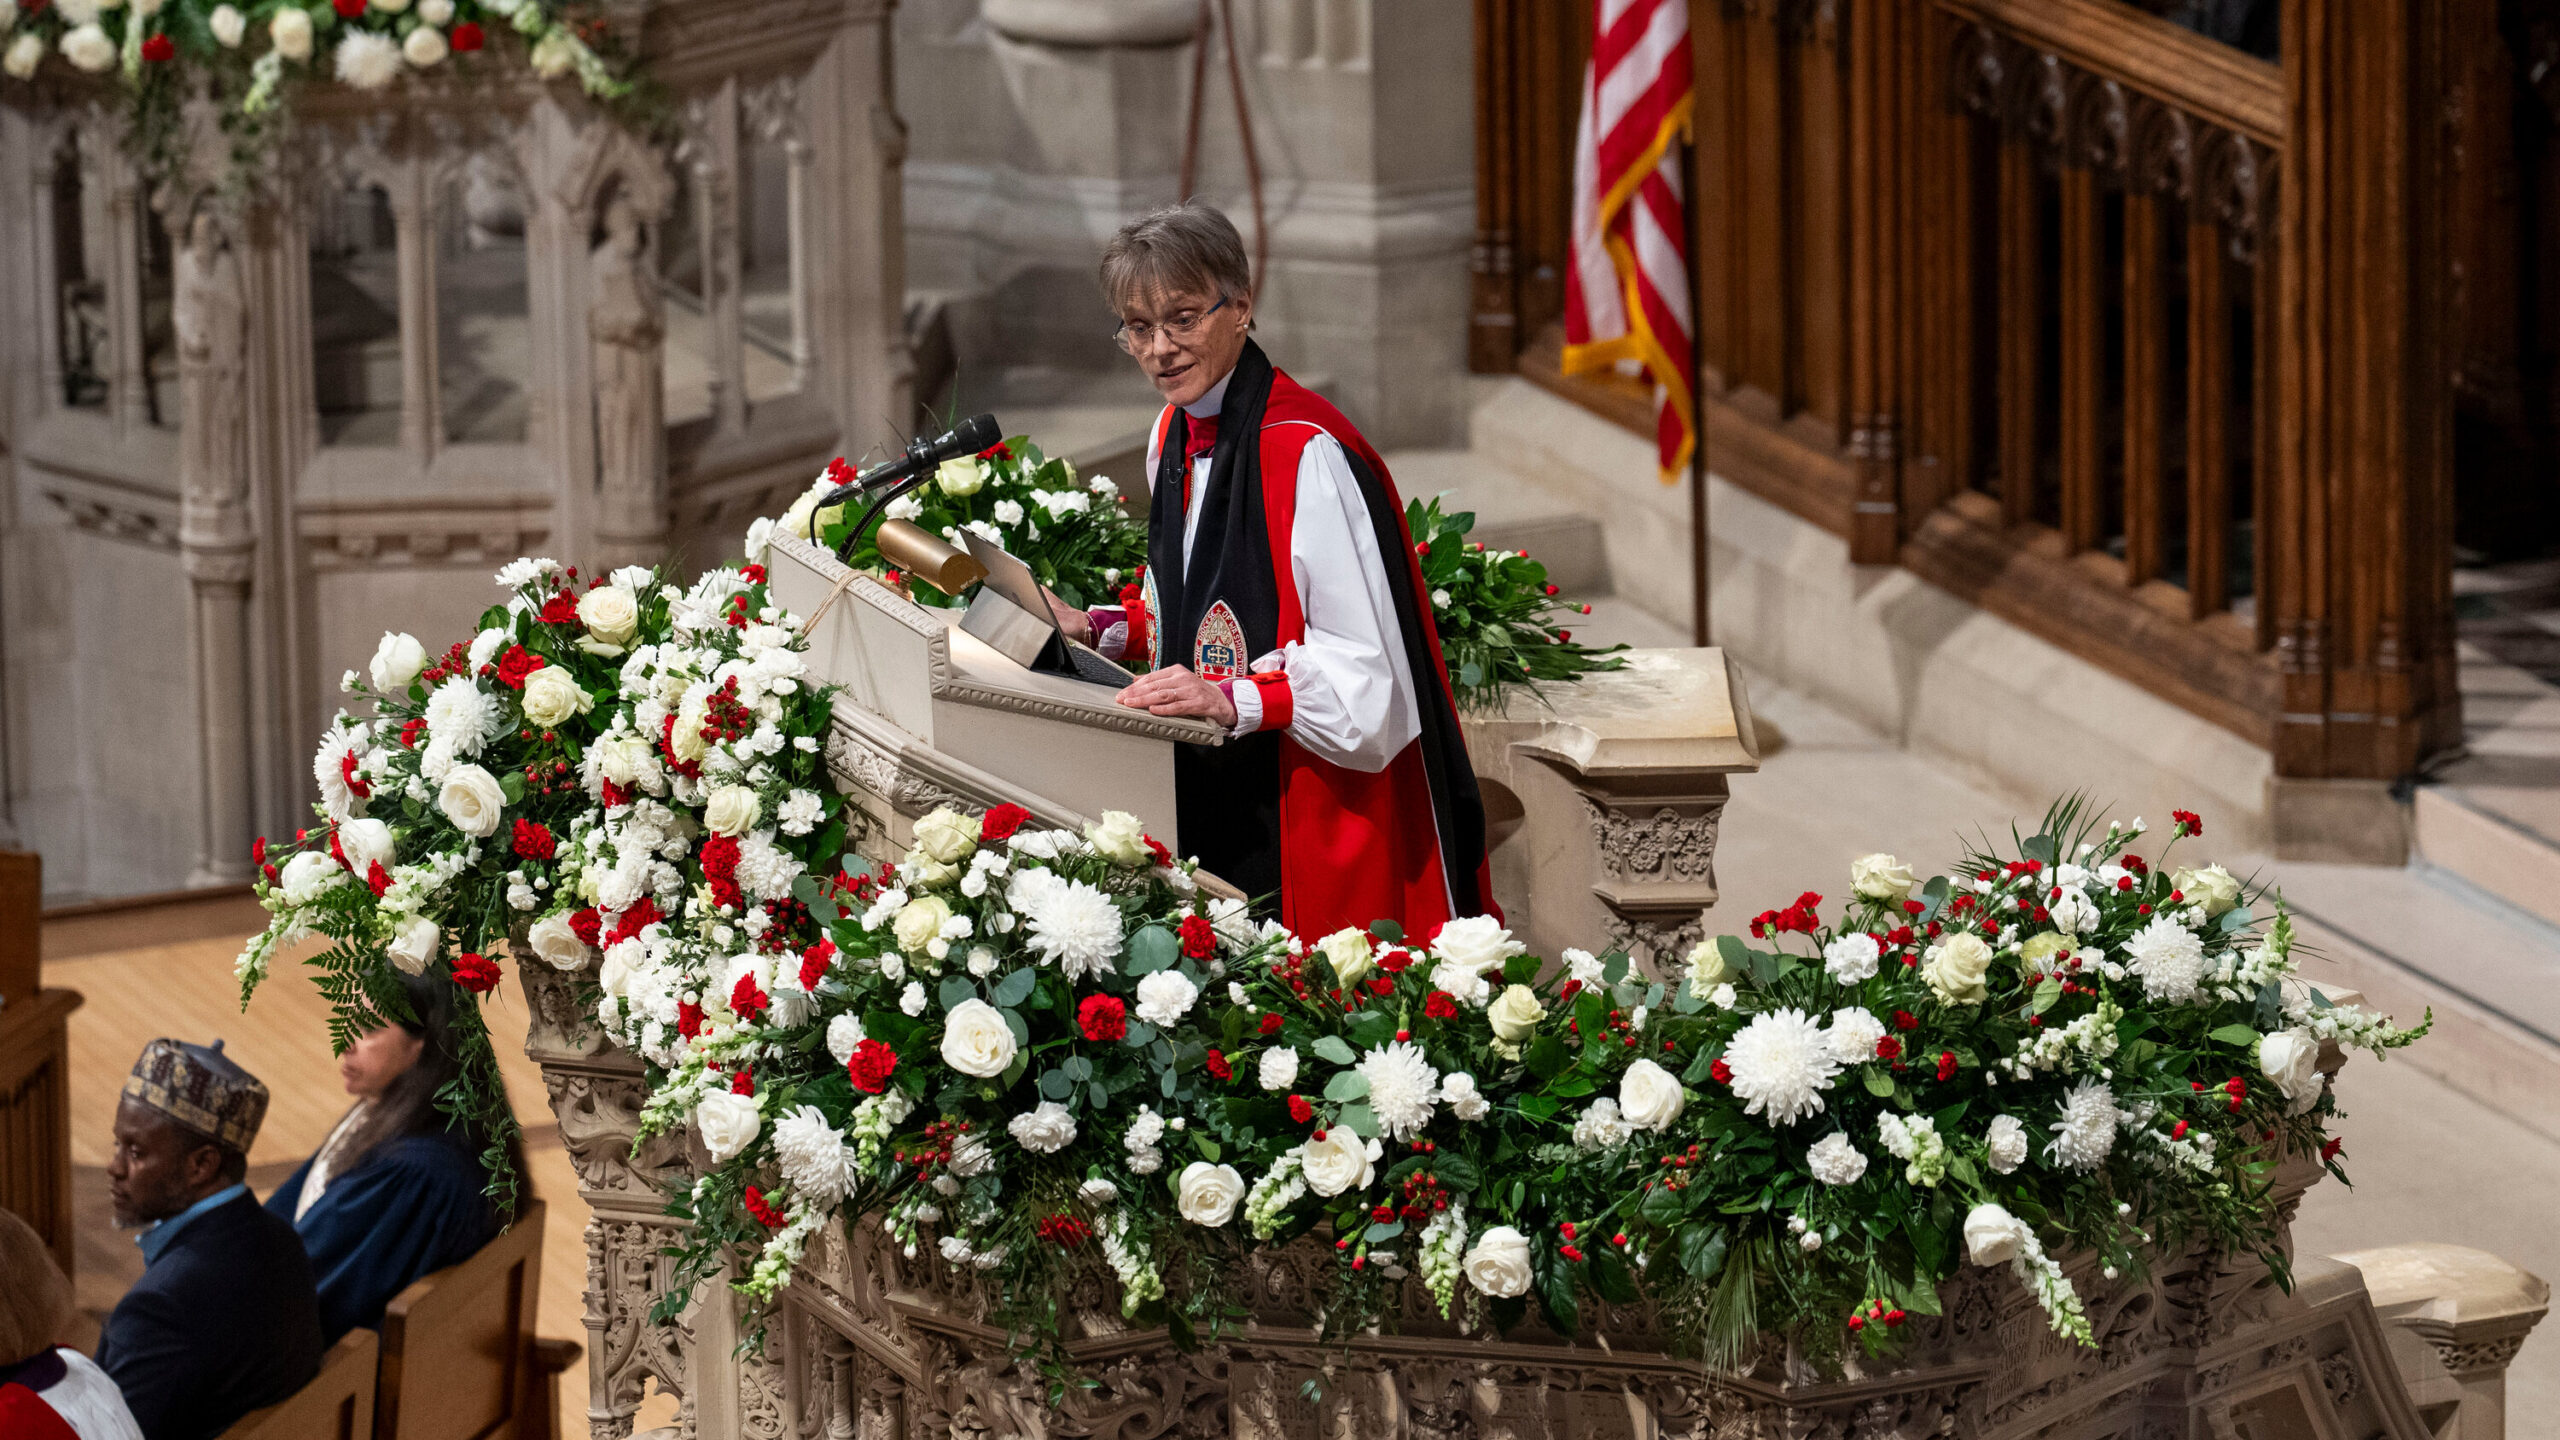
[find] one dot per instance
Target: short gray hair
(1180, 247)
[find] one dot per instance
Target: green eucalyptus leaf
(1331, 1047)
(1347, 1085)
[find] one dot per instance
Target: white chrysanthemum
(766, 870)
(1403, 1088)
(1072, 925)
(2006, 1139)
(2086, 1133)
(369, 61)
(1853, 1034)
(1600, 1126)
(1781, 1064)
(800, 812)
(1836, 1160)
(1851, 958)
(2169, 957)
(462, 715)
(812, 1156)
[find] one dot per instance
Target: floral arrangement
(1027, 1052)
(1071, 532)
(249, 51)
(1501, 625)
(623, 760)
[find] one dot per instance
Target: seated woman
(397, 1191)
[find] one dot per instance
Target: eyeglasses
(1137, 336)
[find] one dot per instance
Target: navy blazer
(412, 1208)
(226, 1320)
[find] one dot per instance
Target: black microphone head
(974, 434)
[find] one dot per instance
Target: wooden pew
(459, 1357)
(336, 1405)
(35, 1064)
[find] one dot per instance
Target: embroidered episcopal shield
(1219, 652)
(1155, 615)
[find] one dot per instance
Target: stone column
(216, 537)
(628, 332)
(711, 149)
(421, 390)
(128, 388)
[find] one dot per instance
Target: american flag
(1627, 286)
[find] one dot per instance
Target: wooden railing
(2129, 337)
(35, 1065)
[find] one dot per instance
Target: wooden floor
(137, 989)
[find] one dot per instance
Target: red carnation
(560, 609)
(2330, 1147)
(410, 732)
(1199, 938)
(348, 9)
(1946, 1064)
(763, 1211)
(871, 1065)
(746, 1000)
(1888, 1048)
(347, 772)
(2188, 822)
(1271, 1022)
(1720, 1072)
(1300, 1110)
(1440, 1005)
(377, 879)
(688, 1019)
(1218, 1066)
(1905, 1020)
(642, 914)
(517, 664)
(467, 36)
(587, 925)
(1001, 822)
(720, 868)
(1156, 848)
(258, 852)
(475, 973)
(1103, 1019)
(1394, 961)
(533, 840)
(814, 962)
(997, 451)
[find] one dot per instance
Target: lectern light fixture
(915, 551)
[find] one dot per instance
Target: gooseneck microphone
(970, 436)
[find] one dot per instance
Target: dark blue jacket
(412, 1208)
(224, 1321)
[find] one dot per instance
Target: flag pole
(1698, 574)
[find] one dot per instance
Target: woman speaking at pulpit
(1281, 599)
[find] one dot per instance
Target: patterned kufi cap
(200, 1089)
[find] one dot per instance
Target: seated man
(225, 1318)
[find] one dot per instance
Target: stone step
(1511, 513)
(2496, 841)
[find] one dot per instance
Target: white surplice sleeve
(1351, 693)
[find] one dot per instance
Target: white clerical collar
(1207, 406)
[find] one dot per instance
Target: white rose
(1955, 968)
(424, 47)
(399, 658)
(290, 32)
(25, 54)
(2291, 1059)
(1279, 1067)
(733, 810)
(920, 923)
(551, 695)
(611, 614)
(1881, 877)
(1649, 1097)
(622, 759)
(961, 475)
(1707, 969)
(1992, 1234)
(365, 843)
(1338, 1162)
(1516, 1012)
(976, 1041)
(1347, 951)
(1478, 942)
(1208, 1194)
(726, 1123)
(309, 875)
(436, 12)
(413, 945)
(1164, 997)
(2212, 887)
(1118, 838)
(89, 48)
(557, 943)
(1498, 1265)
(687, 740)
(1044, 1129)
(472, 800)
(947, 837)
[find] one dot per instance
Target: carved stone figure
(212, 320)
(629, 332)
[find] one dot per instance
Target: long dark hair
(407, 1106)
